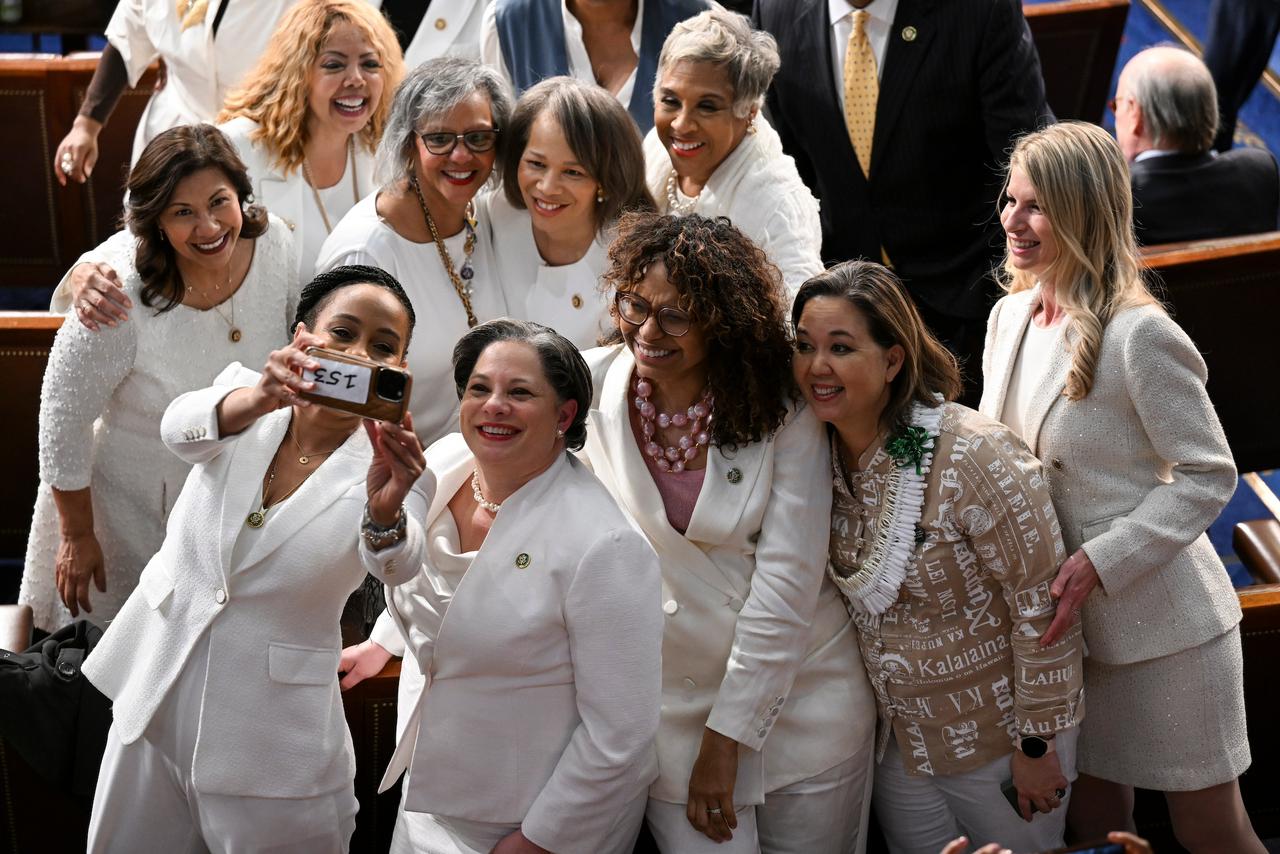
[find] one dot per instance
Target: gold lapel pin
(734, 475)
(522, 561)
(909, 34)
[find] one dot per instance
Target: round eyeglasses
(636, 310)
(476, 141)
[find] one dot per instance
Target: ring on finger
(66, 163)
(714, 811)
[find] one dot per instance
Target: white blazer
(289, 196)
(450, 27)
(1137, 470)
(758, 644)
(543, 664)
(271, 724)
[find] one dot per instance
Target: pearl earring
(559, 433)
(599, 196)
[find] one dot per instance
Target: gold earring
(599, 196)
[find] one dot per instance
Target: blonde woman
(1109, 393)
(306, 123)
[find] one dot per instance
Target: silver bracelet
(377, 537)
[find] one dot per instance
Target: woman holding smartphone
(222, 666)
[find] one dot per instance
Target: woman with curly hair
(767, 722)
(306, 122)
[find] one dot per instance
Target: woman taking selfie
(1085, 365)
(217, 282)
(767, 719)
(573, 164)
(943, 541)
(228, 732)
(550, 749)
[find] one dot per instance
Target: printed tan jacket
(956, 661)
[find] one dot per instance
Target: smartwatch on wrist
(1034, 747)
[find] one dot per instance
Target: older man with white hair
(1166, 115)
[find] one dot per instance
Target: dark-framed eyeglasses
(636, 310)
(476, 141)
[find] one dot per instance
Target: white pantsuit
(757, 644)
(222, 666)
(542, 656)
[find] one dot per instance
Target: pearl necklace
(673, 458)
(479, 496)
(675, 204)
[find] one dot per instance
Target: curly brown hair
(735, 296)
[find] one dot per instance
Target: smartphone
(1010, 793)
(1101, 847)
(362, 386)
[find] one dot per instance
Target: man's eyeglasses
(476, 141)
(1111, 104)
(636, 310)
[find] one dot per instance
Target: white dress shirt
(879, 23)
(575, 48)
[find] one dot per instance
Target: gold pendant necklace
(315, 191)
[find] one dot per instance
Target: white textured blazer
(543, 664)
(289, 196)
(1138, 470)
(759, 189)
(271, 724)
(757, 642)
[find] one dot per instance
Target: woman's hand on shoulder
(360, 661)
(97, 295)
(398, 461)
(516, 842)
(79, 559)
(710, 808)
(1075, 581)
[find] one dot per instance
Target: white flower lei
(872, 587)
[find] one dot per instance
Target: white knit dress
(100, 408)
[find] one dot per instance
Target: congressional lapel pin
(734, 475)
(909, 34)
(522, 561)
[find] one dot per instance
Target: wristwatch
(1034, 747)
(377, 537)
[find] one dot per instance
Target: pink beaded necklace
(698, 417)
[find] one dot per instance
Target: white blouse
(567, 298)
(100, 408)
(1038, 346)
(364, 237)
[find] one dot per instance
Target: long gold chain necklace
(315, 192)
(461, 279)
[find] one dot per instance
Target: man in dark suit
(958, 80)
(1166, 114)
(1242, 35)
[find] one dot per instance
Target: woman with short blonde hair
(1085, 365)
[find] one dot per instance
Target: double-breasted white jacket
(271, 722)
(542, 662)
(758, 644)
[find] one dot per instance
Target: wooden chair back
(1078, 41)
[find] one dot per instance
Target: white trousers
(145, 802)
(920, 815)
(825, 814)
(424, 833)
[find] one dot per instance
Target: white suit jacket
(1138, 470)
(288, 196)
(543, 693)
(272, 722)
(757, 644)
(450, 27)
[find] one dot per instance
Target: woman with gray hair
(441, 141)
(710, 151)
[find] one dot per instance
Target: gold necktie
(861, 89)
